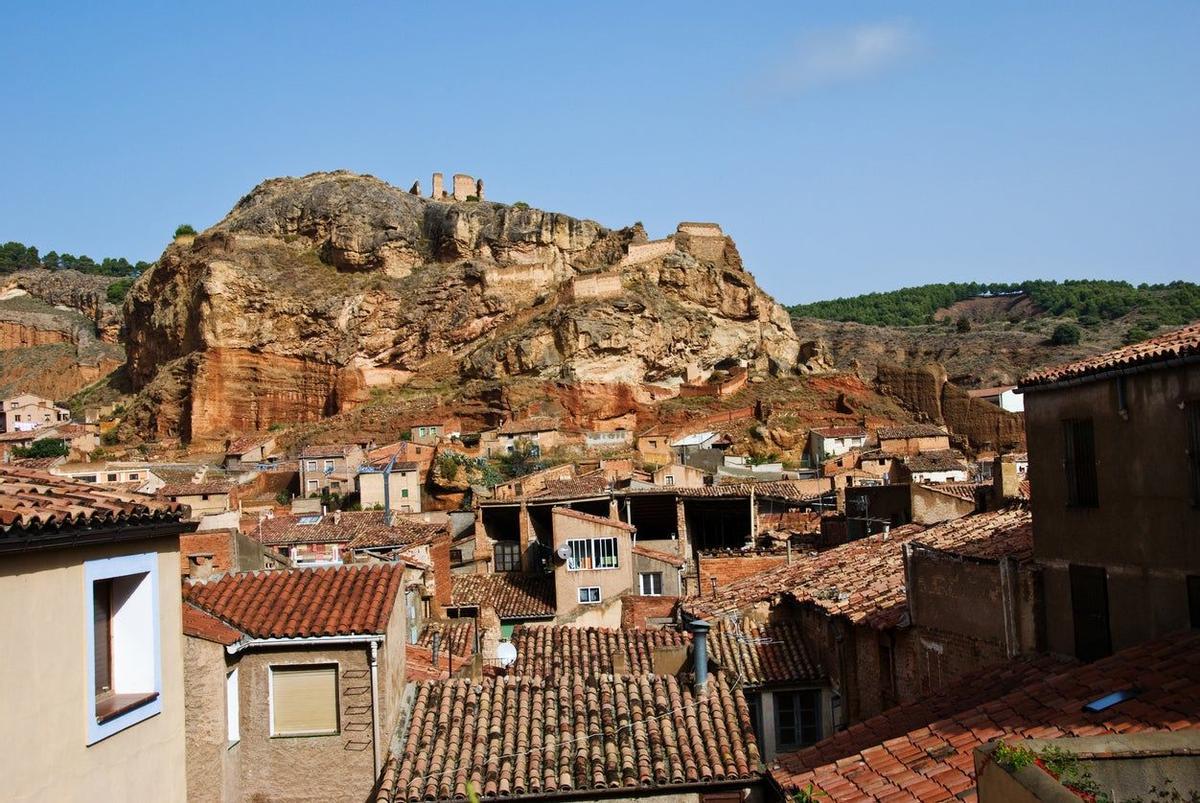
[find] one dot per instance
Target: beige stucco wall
(45, 692)
(612, 582)
(370, 490)
(215, 503)
(213, 765)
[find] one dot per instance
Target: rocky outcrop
(49, 350)
(82, 292)
(926, 391)
(313, 291)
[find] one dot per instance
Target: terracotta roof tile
(946, 460)
(302, 603)
(513, 596)
(327, 450)
(1183, 342)
(932, 739)
(864, 580)
(194, 488)
(563, 650)
(761, 655)
(594, 483)
(245, 443)
(358, 529)
(521, 736)
(657, 554)
(840, 432)
(789, 490)
(35, 504)
(588, 517)
(909, 431)
(459, 632)
(960, 490)
(203, 625)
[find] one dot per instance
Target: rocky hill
(313, 293)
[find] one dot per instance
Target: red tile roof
(1183, 342)
(960, 490)
(840, 432)
(35, 504)
(519, 736)
(203, 625)
(658, 555)
(909, 431)
(922, 751)
(36, 463)
(946, 460)
(239, 446)
(863, 580)
(761, 655)
(594, 483)
(302, 603)
(513, 596)
(788, 490)
(459, 632)
(418, 664)
(194, 488)
(540, 424)
(327, 450)
(358, 529)
(588, 517)
(562, 650)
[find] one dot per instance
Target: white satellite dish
(564, 552)
(506, 653)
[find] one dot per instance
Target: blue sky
(846, 147)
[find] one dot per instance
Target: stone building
(294, 682)
(1114, 458)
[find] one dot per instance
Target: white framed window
(650, 584)
(589, 595)
(311, 465)
(592, 553)
(329, 465)
(670, 479)
(304, 700)
(123, 643)
(312, 485)
(232, 708)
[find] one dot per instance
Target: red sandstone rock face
(314, 291)
(18, 336)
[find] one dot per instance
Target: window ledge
(112, 707)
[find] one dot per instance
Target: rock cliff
(314, 291)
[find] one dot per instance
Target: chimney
(1004, 479)
(337, 517)
(699, 629)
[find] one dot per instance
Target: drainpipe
(387, 490)
(700, 629)
(375, 704)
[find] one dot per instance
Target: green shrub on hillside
(1065, 334)
(184, 230)
(43, 447)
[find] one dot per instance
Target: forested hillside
(1087, 300)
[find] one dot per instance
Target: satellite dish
(564, 552)
(506, 653)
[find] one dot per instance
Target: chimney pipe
(387, 489)
(700, 629)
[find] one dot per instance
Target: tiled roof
(35, 504)
(418, 664)
(922, 751)
(203, 625)
(659, 555)
(948, 460)
(35, 463)
(519, 736)
(961, 490)
(979, 393)
(327, 450)
(302, 603)
(460, 632)
(840, 432)
(356, 528)
(194, 488)
(249, 441)
(513, 596)
(1183, 342)
(759, 655)
(909, 431)
(863, 580)
(540, 424)
(588, 517)
(562, 650)
(594, 483)
(778, 489)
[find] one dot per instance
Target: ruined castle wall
(644, 252)
(597, 285)
(464, 186)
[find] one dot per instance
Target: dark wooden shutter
(1079, 451)
(102, 634)
(1193, 448)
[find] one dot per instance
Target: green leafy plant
(1013, 758)
(283, 498)
(520, 205)
(809, 794)
(1070, 771)
(448, 467)
(43, 447)
(963, 325)
(472, 198)
(184, 230)
(1065, 334)
(116, 292)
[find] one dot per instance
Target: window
(670, 479)
(135, 476)
(312, 485)
(111, 477)
(1193, 448)
(123, 643)
(589, 595)
(404, 493)
(797, 718)
(304, 700)
(507, 556)
(1080, 462)
(232, 707)
(311, 465)
(329, 465)
(650, 584)
(592, 553)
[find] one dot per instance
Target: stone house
(220, 551)
(294, 681)
(202, 498)
(26, 411)
(593, 566)
(541, 432)
(1114, 458)
(429, 431)
(401, 480)
(912, 439)
(250, 450)
(677, 475)
(330, 469)
(924, 468)
(826, 442)
(309, 539)
(93, 677)
(654, 447)
(137, 475)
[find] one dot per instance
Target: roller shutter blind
(304, 700)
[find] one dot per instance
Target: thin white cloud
(841, 56)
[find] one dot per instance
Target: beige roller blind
(304, 700)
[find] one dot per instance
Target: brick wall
(439, 553)
(644, 252)
(638, 611)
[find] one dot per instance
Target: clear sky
(846, 147)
